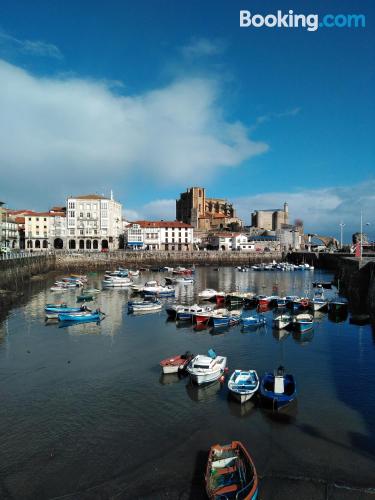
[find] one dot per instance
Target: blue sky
(149, 98)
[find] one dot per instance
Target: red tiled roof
(20, 212)
(46, 214)
(162, 223)
(20, 220)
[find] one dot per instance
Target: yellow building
(271, 219)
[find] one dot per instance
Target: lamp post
(342, 225)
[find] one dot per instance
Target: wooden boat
(243, 384)
(278, 389)
(253, 321)
(82, 317)
(177, 363)
(303, 322)
(231, 473)
(205, 369)
(282, 321)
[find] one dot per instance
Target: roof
(162, 223)
(20, 212)
(20, 220)
(58, 209)
(46, 214)
(90, 197)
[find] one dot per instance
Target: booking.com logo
(310, 22)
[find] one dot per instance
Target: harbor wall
(15, 271)
(82, 262)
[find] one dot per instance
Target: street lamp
(361, 242)
(342, 225)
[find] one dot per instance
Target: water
(86, 414)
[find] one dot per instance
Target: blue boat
(303, 322)
(51, 308)
(278, 389)
(222, 320)
(82, 318)
(253, 321)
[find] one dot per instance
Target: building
(39, 230)
(271, 219)
(290, 237)
(94, 222)
(205, 214)
(159, 235)
(9, 235)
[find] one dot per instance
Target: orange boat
(231, 473)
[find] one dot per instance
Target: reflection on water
(93, 393)
(203, 393)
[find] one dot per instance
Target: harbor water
(86, 413)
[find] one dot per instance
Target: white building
(159, 235)
(94, 222)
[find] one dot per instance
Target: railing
(24, 255)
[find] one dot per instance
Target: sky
(149, 98)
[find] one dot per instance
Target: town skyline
(69, 105)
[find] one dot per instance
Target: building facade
(159, 235)
(94, 222)
(270, 220)
(206, 214)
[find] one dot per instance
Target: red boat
(220, 298)
(231, 473)
(202, 318)
(176, 363)
(263, 300)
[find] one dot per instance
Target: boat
(52, 312)
(237, 298)
(183, 280)
(204, 369)
(281, 302)
(116, 282)
(282, 321)
(243, 384)
(56, 288)
(223, 317)
(207, 294)
(323, 284)
(202, 317)
(119, 273)
(303, 322)
(231, 473)
(263, 300)
(85, 297)
(144, 306)
(189, 312)
(82, 317)
(253, 321)
(154, 288)
(318, 302)
(134, 273)
(278, 389)
(176, 363)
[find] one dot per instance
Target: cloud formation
(9, 43)
(203, 47)
(322, 210)
(78, 134)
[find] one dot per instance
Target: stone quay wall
(16, 269)
(134, 259)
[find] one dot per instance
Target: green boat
(85, 297)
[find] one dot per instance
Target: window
(80, 215)
(45, 219)
(88, 215)
(81, 231)
(37, 218)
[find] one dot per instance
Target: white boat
(134, 273)
(319, 301)
(243, 384)
(116, 281)
(144, 306)
(204, 369)
(184, 280)
(282, 321)
(57, 288)
(207, 294)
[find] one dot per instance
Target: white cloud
(321, 209)
(9, 43)
(76, 134)
(160, 209)
(202, 47)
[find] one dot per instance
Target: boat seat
(226, 470)
(226, 489)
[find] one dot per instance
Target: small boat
(318, 302)
(204, 369)
(53, 312)
(237, 298)
(263, 300)
(116, 282)
(282, 321)
(278, 388)
(202, 317)
(56, 288)
(223, 317)
(154, 288)
(253, 321)
(85, 297)
(144, 306)
(82, 317)
(183, 280)
(243, 384)
(177, 363)
(207, 294)
(231, 473)
(323, 284)
(281, 302)
(134, 272)
(303, 322)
